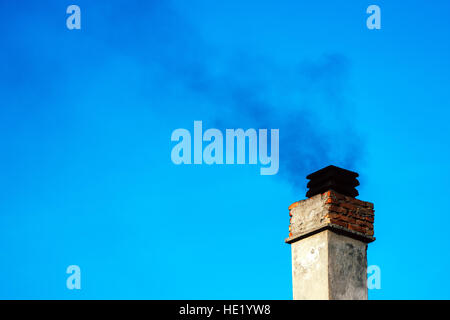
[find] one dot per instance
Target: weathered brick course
(328, 209)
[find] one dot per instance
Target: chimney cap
(333, 178)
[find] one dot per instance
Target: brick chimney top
(329, 233)
(333, 178)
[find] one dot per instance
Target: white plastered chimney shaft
(329, 233)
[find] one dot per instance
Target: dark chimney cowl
(333, 178)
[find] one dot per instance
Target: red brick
(348, 206)
(341, 223)
(335, 208)
(356, 228)
(292, 206)
(348, 219)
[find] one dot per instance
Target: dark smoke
(312, 135)
(306, 100)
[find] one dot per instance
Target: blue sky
(86, 118)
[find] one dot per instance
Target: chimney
(329, 233)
